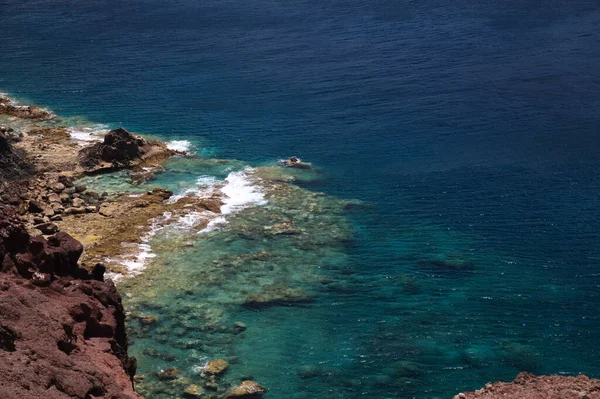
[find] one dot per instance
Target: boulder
(215, 367)
(247, 389)
(168, 374)
(120, 149)
(193, 391)
(47, 228)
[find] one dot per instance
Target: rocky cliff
(62, 331)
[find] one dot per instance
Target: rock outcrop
(528, 386)
(121, 149)
(62, 331)
(33, 112)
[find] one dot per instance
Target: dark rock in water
(120, 149)
(66, 336)
(294, 162)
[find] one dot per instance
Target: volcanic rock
(528, 386)
(62, 333)
(121, 149)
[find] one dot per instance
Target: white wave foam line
(205, 188)
(240, 193)
(179, 145)
(137, 263)
(86, 135)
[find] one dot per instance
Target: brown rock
(57, 187)
(168, 374)
(25, 112)
(216, 367)
(47, 228)
(78, 202)
(193, 391)
(247, 389)
(528, 386)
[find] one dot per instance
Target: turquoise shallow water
(469, 131)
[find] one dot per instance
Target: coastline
(116, 218)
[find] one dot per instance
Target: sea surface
(449, 233)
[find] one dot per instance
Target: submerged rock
(215, 367)
(247, 389)
(278, 295)
(168, 374)
(194, 391)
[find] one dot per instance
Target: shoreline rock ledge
(529, 386)
(62, 328)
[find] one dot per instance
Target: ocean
(448, 234)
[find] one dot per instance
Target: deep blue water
(473, 128)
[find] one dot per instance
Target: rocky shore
(528, 386)
(62, 326)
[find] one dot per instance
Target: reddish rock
(62, 332)
(528, 386)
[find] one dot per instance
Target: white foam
(205, 188)
(137, 264)
(86, 135)
(213, 224)
(179, 145)
(240, 193)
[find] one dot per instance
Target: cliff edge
(62, 330)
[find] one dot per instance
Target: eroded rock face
(121, 149)
(528, 386)
(62, 332)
